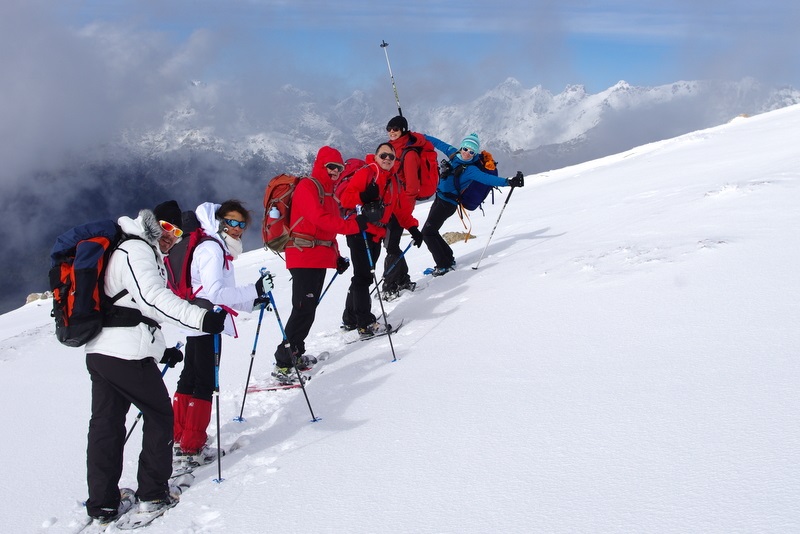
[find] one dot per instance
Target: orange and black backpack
(81, 307)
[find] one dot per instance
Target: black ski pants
(441, 210)
(116, 384)
(198, 377)
(307, 284)
(358, 305)
(398, 275)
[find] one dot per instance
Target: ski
(181, 467)
(88, 525)
(430, 271)
(274, 385)
(138, 518)
(392, 330)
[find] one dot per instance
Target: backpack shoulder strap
(321, 191)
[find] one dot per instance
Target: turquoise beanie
(472, 142)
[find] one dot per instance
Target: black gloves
(214, 322)
(342, 264)
(416, 235)
(518, 180)
(264, 284)
(263, 300)
(370, 193)
(172, 356)
(362, 221)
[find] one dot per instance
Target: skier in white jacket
(213, 281)
(122, 366)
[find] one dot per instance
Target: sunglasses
(235, 224)
(387, 155)
(468, 150)
(169, 227)
(334, 167)
(394, 129)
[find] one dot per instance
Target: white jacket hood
(206, 217)
(145, 226)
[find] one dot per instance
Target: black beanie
(169, 211)
(398, 122)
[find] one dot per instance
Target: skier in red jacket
(374, 187)
(315, 221)
(407, 166)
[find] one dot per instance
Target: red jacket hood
(325, 155)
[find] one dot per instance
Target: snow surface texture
(625, 359)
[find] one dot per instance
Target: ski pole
(252, 359)
(385, 47)
(287, 347)
(495, 227)
(375, 277)
(217, 351)
(392, 266)
(326, 287)
(136, 421)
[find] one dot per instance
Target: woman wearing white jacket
(213, 281)
(122, 366)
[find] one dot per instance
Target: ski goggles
(169, 227)
(468, 150)
(387, 155)
(334, 167)
(233, 223)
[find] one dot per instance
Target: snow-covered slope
(625, 359)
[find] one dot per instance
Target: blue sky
(548, 43)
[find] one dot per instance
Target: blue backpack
(472, 196)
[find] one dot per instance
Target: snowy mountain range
(517, 123)
(213, 144)
(624, 360)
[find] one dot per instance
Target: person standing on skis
(122, 365)
(315, 221)
(446, 202)
(213, 284)
(408, 169)
(376, 190)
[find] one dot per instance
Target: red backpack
(179, 266)
(275, 229)
(350, 167)
(428, 166)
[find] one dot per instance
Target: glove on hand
(362, 221)
(416, 235)
(370, 193)
(262, 301)
(172, 356)
(264, 284)
(214, 322)
(518, 180)
(342, 264)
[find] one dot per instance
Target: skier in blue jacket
(445, 204)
